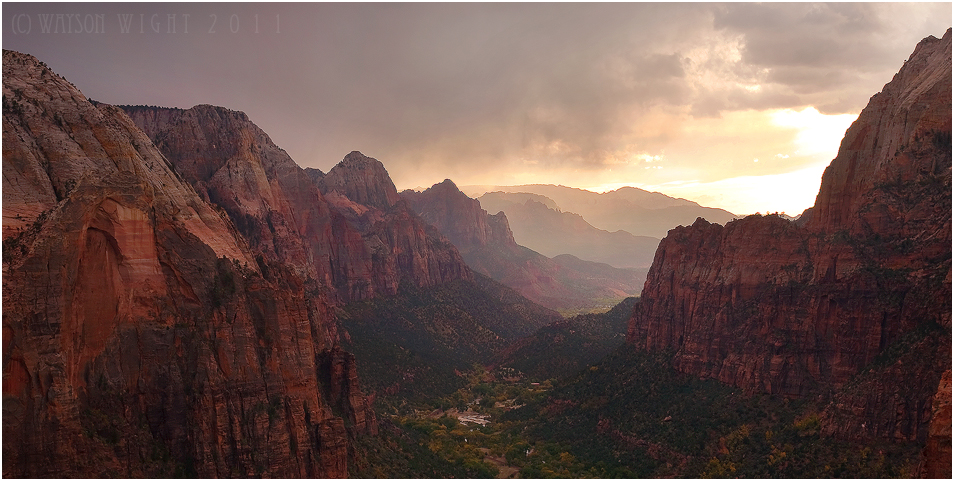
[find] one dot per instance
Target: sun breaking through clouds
(713, 102)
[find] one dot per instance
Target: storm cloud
(499, 93)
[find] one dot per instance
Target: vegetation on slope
(627, 414)
(643, 418)
(415, 344)
(567, 346)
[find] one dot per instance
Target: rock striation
(937, 456)
(345, 229)
(854, 299)
(362, 179)
(460, 217)
(275, 206)
(404, 247)
(142, 334)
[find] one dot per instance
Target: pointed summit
(361, 179)
(460, 218)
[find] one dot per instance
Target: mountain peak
(896, 138)
(447, 183)
(358, 157)
(361, 179)
(745, 303)
(459, 217)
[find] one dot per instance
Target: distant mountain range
(564, 283)
(638, 212)
(538, 225)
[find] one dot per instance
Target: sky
(738, 106)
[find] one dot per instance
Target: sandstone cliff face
(937, 456)
(363, 180)
(355, 237)
(274, 204)
(140, 335)
(865, 276)
(404, 247)
(460, 217)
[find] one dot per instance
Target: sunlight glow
(784, 193)
(818, 133)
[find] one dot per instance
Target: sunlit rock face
(775, 306)
(272, 202)
(141, 336)
(345, 229)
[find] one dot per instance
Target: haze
(738, 106)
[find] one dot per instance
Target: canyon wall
(344, 230)
(142, 337)
(853, 301)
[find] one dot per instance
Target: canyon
(173, 284)
(181, 299)
(851, 301)
(563, 283)
(141, 336)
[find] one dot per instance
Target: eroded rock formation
(937, 456)
(356, 237)
(362, 179)
(854, 298)
(141, 336)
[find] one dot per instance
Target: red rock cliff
(356, 237)
(404, 247)
(460, 218)
(794, 308)
(362, 179)
(272, 201)
(140, 336)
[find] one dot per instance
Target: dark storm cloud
(823, 53)
(807, 35)
(466, 88)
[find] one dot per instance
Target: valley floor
(632, 416)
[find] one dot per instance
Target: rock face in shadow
(855, 298)
(142, 337)
(460, 217)
(487, 244)
(403, 246)
(937, 456)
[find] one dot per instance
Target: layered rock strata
(861, 282)
(344, 230)
(937, 456)
(141, 336)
